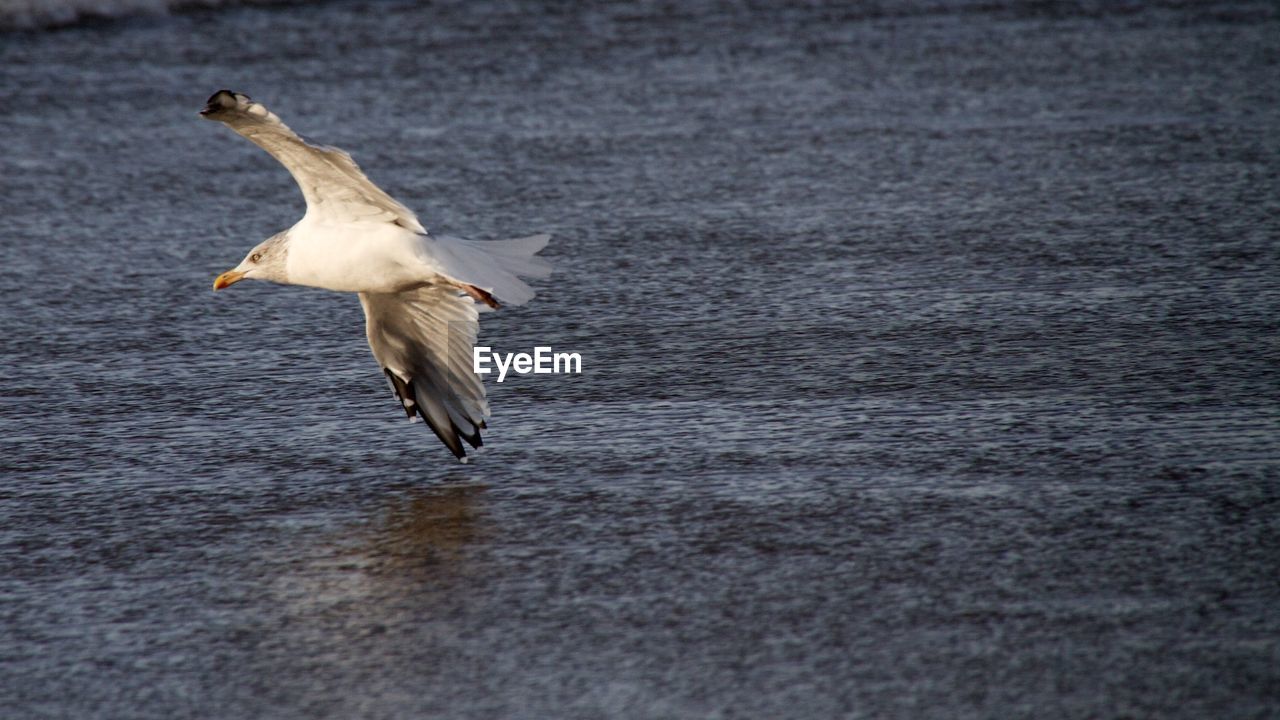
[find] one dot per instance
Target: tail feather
(519, 255)
(496, 266)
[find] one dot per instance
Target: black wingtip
(219, 101)
(450, 439)
(404, 393)
(455, 447)
(474, 438)
(408, 402)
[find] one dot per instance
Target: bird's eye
(255, 257)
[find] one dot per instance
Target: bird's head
(264, 262)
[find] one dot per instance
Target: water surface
(930, 367)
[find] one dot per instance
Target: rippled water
(930, 367)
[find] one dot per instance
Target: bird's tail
(495, 266)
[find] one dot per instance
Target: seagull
(421, 293)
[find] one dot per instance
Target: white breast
(374, 257)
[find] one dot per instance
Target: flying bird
(421, 293)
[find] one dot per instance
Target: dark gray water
(931, 360)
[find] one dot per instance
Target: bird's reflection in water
(429, 531)
(375, 592)
(421, 544)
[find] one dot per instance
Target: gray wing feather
(332, 183)
(424, 338)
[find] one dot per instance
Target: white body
(359, 257)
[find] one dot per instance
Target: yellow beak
(227, 279)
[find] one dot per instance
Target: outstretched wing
(423, 340)
(331, 182)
